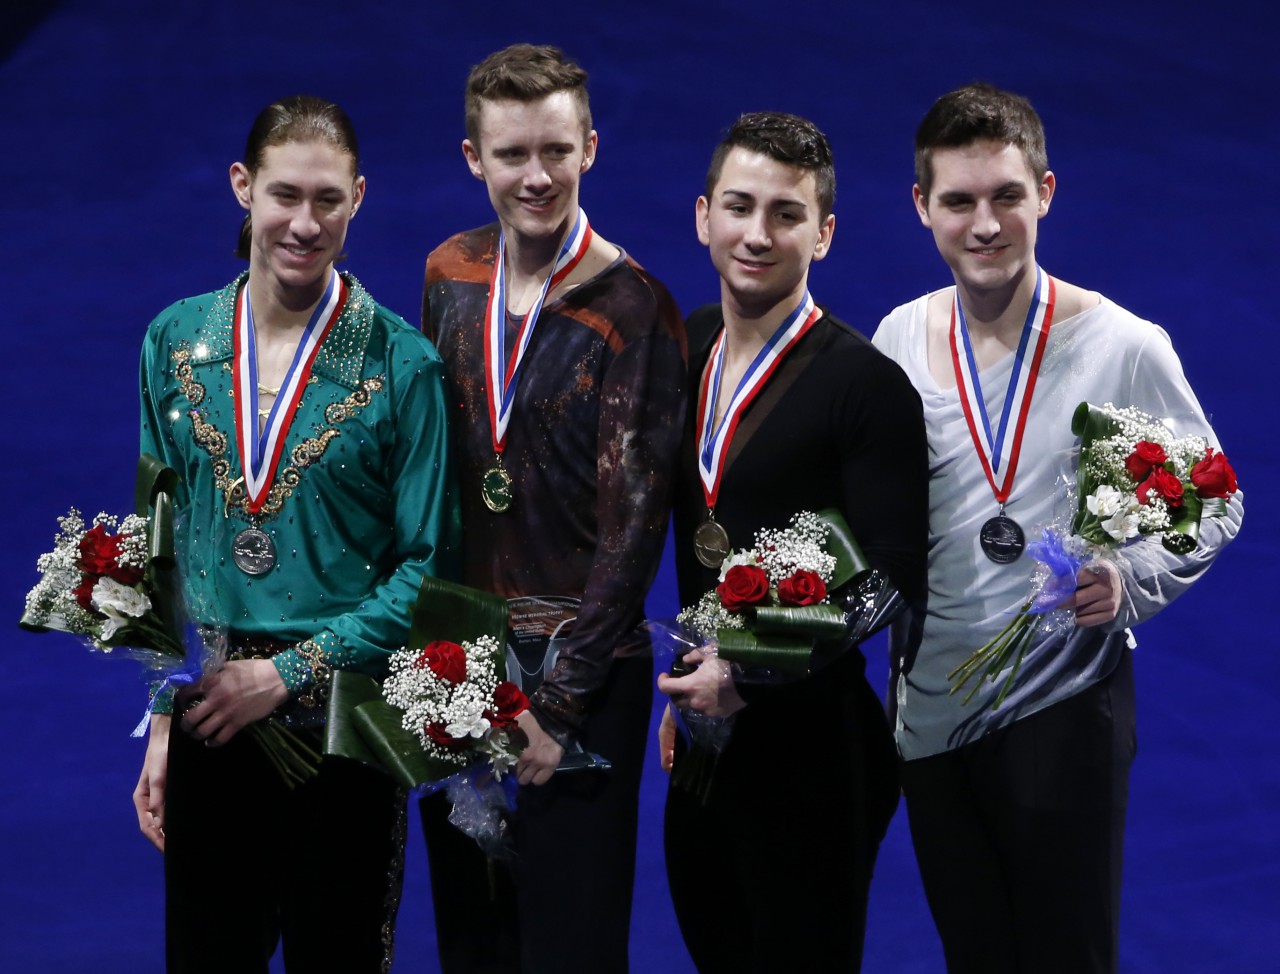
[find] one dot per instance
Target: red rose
(126, 574)
(802, 588)
(84, 592)
(509, 702)
(98, 551)
(445, 659)
(1145, 456)
(1162, 483)
(440, 736)
(1213, 476)
(743, 585)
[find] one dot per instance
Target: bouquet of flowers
(97, 584)
(114, 585)
(442, 719)
(771, 612)
(453, 703)
(772, 601)
(1134, 479)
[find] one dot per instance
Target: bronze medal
(495, 488)
(253, 551)
(711, 543)
(1002, 539)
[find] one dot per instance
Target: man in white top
(1017, 807)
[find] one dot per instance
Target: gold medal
(711, 542)
(495, 488)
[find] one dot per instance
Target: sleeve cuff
(163, 702)
(307, 668)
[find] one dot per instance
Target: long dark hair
(298, 118)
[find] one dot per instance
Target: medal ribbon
(995, 451)
(502, 371)
(260, 452)
(713, 443)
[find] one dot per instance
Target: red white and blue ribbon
(713, 439)
(260, 451)
(997, 449)
(502, 370)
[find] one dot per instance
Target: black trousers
(562, 902)
(1020, 836)
(771, 874)
(249, 863)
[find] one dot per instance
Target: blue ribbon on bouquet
(1064, 566)
(187, 675)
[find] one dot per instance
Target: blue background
(121, 118)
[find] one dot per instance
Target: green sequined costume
(361, 506)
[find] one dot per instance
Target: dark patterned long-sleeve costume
(590, 448)
(772, 872)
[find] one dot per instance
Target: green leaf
(347, 691)
(1090, 423)
(153, 497)
(399, 751)
(364, 727)
(850, 561)
(447, 610)
(783, 654)
(800, 621)
(154, 489)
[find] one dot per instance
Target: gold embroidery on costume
(214, 442)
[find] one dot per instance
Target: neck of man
(998, 313)
(280, 310)
(529, 261)
(748, 325)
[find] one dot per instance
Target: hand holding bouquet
(114, 585)
(1134, 480)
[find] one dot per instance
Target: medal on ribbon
(710, 540)
(502, 368)
(252, 550)
(1002, 539)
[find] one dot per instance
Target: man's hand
(1099, 590)
(232, 698)
(541, 756)
(667, 739)
(148, 796)
(709, 689)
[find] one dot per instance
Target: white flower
(468, 725)
(735, 558)
(119, 603)
(429, 701)
(1116, 510)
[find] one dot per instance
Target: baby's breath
(797, 548)
(780, 554)
(459, 709)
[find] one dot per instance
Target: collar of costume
(502, 369)
(260, 451)
(714, 439)
(996, 449)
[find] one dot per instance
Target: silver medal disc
(1002, 539)
(253, 551)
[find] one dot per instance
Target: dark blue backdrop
(121, 120)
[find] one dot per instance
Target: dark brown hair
(975, 112)
(524, 72)
(300, 119)
(789, 139)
